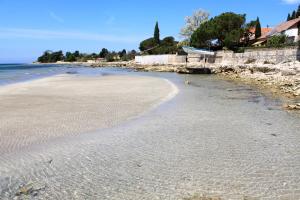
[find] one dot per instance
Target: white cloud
(291, 1)
(56, 17)
(11, 33)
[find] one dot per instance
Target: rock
(292, 106)
(288, 72)
(30, 189)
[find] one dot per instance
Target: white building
(289, 28)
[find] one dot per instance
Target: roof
(192, 50)
(282, 27)
(263, 30)
(258, 42)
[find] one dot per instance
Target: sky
(29, 27)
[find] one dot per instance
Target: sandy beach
(36, 111)
(77, 137)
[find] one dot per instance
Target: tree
(156, 34)
(257, 29)
(192, 23)
(70, 57)
(203, 35)
(288, 17)
(232, 39)
(298, 12)
(148, 44)
(167, 46)
(293, 15)
(224, 29)
(104, 52)
(51, 57)
(122, 53)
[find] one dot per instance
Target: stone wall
(258, 56)
(160, 59)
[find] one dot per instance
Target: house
(289, 28)
(264, 31)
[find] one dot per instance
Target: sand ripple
(37, 111)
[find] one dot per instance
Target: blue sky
(28, 27)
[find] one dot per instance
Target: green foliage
(166, 46)
(257, 29)
(76, 54)
(293, 15)
(122, 54)
(276, 41)
(70, 57)
(148, 44)
(129, 55)
(104, 52)
(51, 57)
(298, 12)
(288, 17)
(225, 28)
(113, 56)
(232, 39)
(202, 37)
(156, 34)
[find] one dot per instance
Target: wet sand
(39, 110)
(214, 138)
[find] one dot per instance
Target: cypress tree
(156, 34)
(294, 15)
(298, 12)
(288, 17)
(257, 29)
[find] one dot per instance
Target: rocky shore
(282, 79)
(283, 76)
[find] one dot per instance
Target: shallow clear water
(215, 138)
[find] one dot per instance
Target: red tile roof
(263, 30)
(281, 27)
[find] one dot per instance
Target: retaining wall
(259, 55)
(160, 59)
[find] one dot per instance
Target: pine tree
(257, 29)
(294, 15)
(288, 17)
(156, 34)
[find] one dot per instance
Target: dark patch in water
(239, 89)
(74, 72)
(254, 99)
(105, 74)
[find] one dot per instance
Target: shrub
(276, 41)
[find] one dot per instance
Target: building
(289, 28)
(264, 31)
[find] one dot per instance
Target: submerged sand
(36, 111)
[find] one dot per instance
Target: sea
(13, 73)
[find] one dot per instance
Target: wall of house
(160, 59)
(292, 32)
(258, 56)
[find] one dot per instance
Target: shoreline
(281, 80)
